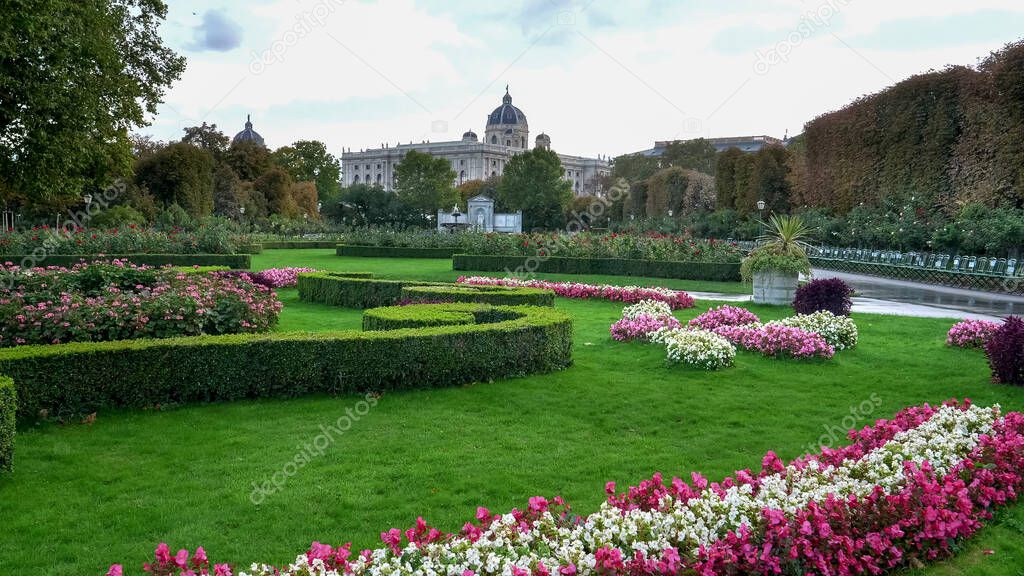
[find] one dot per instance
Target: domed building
(506, 134)
(248, 135)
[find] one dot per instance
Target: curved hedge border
(360, 290)
(237, 261)
(426, 315)
(394, 251)
(496, 295)
(297, 244)
(82, 377)
(718, 271)
(8, 404)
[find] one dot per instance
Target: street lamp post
(760, 214)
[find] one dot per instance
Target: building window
(462, 162)
(494, 139)
(379, 179)
(355, 179)
(494, 163)
(367, 166)
(462, 177)
(378, 166)
(508, 142)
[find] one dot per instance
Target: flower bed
(700, 348)
(130, 239)
(676, 299)
(777, 341)
(272, 277)
(905, 491)
(971, 333)
(724, 315)
(117, 301)
(840, 332)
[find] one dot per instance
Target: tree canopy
(75, 78)
(309, 161)
(532, 182)
(425, 182)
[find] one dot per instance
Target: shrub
(717, 271)
(82, 377)
(115, 301)
(8, 406)
(495, 295)
(724, 315)
(271, 277)
(352, 290)
(646, 308)
(777, 341)
(699, 348)
(641, 326)
(829, 294)
(839, 331)
(240, 261)
(1005, 352)
(971, 333)
(211, 238)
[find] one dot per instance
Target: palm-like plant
(786, 236)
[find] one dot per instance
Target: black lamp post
(760, 214)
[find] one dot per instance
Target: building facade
(506, 134)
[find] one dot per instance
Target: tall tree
(634, 167)
(276, 186)
(75, 78)
(208, 138)
(697, 154)
(179, 174)
(309, 161)
(532, 182)
(249, 160)
(425, 182)
(725, 179)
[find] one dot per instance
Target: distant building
(248, 135)
(506, 134)
(744, 143)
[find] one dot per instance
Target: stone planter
(774, 287)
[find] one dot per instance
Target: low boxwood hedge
(425, 315)
(496, 295)
(394, 251)
(297, 244)
(82, 377)
(237, 261)
(719, 271)
(8, 405)
(344, 289)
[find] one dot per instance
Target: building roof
(248, 135)
(506, 113)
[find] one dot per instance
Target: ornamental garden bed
(238, 261)
(365, 292)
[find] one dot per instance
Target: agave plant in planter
(776, 264)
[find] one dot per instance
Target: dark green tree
(697, 154)
(249, 160)
(208, 138)
(309, 161)
(725, 179)
(425, 182)
(275, 185)
(365, 205)
(532, 182)
(634, 167)
(179, 174)
(75, 78)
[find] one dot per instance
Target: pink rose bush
(724, 315)
(971, 333)
(117, 300)
(904, 491)
(676, 299)
(272, 277)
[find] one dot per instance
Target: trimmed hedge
(426, 315)
(353, 292)
(8, 406)
(82, 377)
(495, 295)
(297, 244)
(718, 271)
(394, 251)
(250, 249)
(237, 261)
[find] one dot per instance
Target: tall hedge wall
(614, 266)
(8, 406)
(394, 251)
(82, 377)
(237, 261)
(945, 138)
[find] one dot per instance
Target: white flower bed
(653, 308)
(699, 348)
(839, 331)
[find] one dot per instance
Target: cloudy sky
(598, 76)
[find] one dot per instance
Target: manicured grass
(441, 270)
(83, 496)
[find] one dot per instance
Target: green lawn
(83, 496)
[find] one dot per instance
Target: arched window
(493, 173)
(462, 176)
(355, 179)
(494, 139)
(508, 142)
(378, 179)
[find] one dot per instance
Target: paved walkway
(901, 298)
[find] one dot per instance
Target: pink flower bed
(641, 327)
(272, 277)
(971, 333)
(724, 315)
(777, 340)
(916, 513)
(676, 299)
